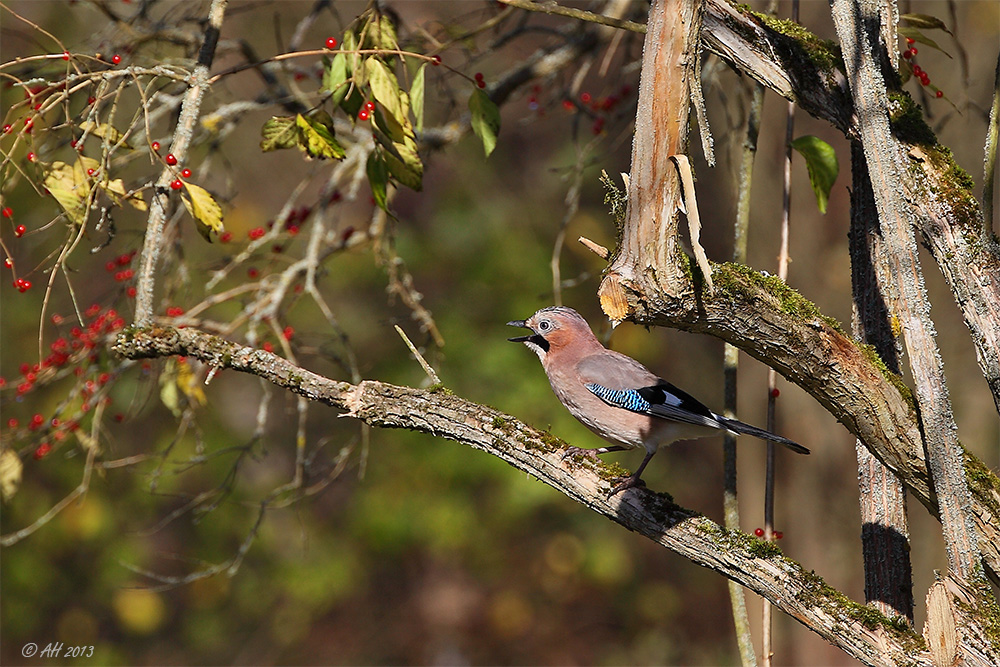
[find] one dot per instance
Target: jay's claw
(630, 482)
(580, 451)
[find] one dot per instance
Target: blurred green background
(423, 551)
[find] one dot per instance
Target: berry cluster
(75, 353)
(366, 110)
(918, 72)
(480, 81)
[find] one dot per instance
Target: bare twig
(579, 14)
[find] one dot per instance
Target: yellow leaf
(70, 186)
(10, 474)
(316, 137)
(278, 132)
(188, 383)
(116, 190)
(204, 209)
(104, 131)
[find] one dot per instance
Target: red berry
(155, 146)
(176, 185)
(8, 262)
(185, 173)
(363, 114)
(775, 393)
(479, 76)
(7, 212)
(7, 128)
(939, 94)
(907, 55)
(256, 233)
(253, 273)
(31, 156)
(436, 60)
(170, 159)
(331, 42)
(91, 172)
(131, 292)
(65, 55)
(110, 266)
(20, 230)
(116, 59)
(925, 79)
(91, 100)
(11, 423)
(909, 40)
(42, 451)
(225, 237)
(267, 347)
(585, 98)
(913, 51)
(480, 83)
(370, 105)
(917, 70)
(124, 259)
(778, 534)
(288, 333)
(759, 532)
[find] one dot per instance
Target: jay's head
(554, 329)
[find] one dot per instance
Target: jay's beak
(518, 323)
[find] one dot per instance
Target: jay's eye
(544, 325)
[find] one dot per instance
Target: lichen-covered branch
(153, 241)
(861, 631)
(857, 23)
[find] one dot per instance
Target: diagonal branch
(862, 632)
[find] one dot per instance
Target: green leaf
(380, 33)
(385, 90)
(279, 132)
(925, 21)
(417, 97)
(821, 160)
(378, 178)
(920, 37)
(316, 137)
(402, 158)
(335, 79)
(485, 119)
(204, 209)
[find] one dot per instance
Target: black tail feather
(739, 427)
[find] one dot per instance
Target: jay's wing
(621, 381)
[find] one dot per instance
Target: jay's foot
(630, 482)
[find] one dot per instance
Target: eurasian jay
(618, 398)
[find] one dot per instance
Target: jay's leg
(633, 480)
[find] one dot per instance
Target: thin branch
(184, 132)
(555, 9)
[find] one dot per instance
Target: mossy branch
(760, 566)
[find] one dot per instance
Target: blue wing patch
(629, 399)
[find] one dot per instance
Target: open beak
(518, 323)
